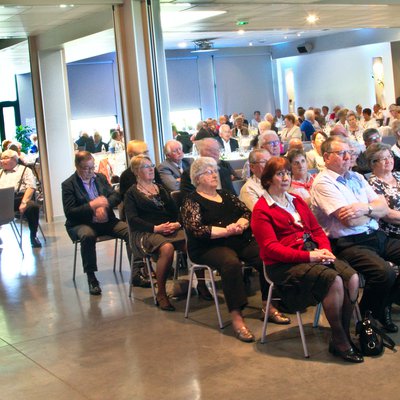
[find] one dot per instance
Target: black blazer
(76, 200)
(233, 142)
(225, 172)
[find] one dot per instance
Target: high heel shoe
(163, 303)
(244, 334)
(204, 293)
(350, 355)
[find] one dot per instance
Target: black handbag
(372, 339)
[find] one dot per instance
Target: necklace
(152, 192)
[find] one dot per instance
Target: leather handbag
(372, 339)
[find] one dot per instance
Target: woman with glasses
(385, 182)
(217, 226)
(152, 217)
(298, 257)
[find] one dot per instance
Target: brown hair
(81, 156)
(273, 165)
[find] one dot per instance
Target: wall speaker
(304, 48)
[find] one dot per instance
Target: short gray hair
(167, 146)
(9, 154)
(199, 166)
(263, 136)
(253, 154)
(308, 114)
(373, 150)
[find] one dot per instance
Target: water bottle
(103, 149)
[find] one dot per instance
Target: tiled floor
(57, 342)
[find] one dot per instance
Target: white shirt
(290, 208)
(330, 191)
(227, 146)
(11, 178)
(251, 191)
(314, 160)
(369, 124)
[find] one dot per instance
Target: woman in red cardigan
(298, 257)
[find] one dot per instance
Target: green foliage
(22, 134)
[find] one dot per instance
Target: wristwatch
(370, 209)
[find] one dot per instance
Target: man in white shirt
(228, 144)
(22, 179)
(368, 121)
(347, 208)
(252, 190)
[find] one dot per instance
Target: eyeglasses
(281, 174)
(342, 153)
(210, 172)
(147, 166)
(375, 137)
(87, 169)
(384, 159)
(273, 143)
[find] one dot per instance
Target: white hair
(199, 166)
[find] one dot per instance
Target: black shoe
(35, 242)
(140, 281)
(387, 322)
(350, 355)
(94, 287)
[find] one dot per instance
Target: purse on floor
(372, 339)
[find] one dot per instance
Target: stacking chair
(98, 240)
(7, 213)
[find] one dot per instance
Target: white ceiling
(269, 21)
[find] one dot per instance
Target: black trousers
(369, 254)
(31, 214)
(228, 262)
(87, 234)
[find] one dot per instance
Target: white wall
(341, 77)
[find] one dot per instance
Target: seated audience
(210, 148)
(184, 138)
(359, 113)
(217, 226)
(269, 141)
(228, 144)
(353, 127)
(270, 118)
(314, 156)
(85, 142)
(171, 169)
(152, 217)
(291, 130)
(302, 180)
(387, 183)
(369, 136)
(22, 179)
(88, 201)
(341, 116)
(307, 127)
(252, 190)
(295, 144)
(348, 210)
(299, 258)
(256, 119)
(394, 114)
(378, 114)
(116, 143)
(279, 119)
(240, 129)
(368, 122)
(34, 147)
(98, 143)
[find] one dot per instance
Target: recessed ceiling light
(285, 37)
(63, 6)
(241, 31)
(182, 45)
(250, 43)
(312, 18)
(299, 34)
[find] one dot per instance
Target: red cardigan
(279, 238)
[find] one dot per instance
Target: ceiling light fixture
(182, 45)
(312, 18)
(250, 43)
(241, 31)
(203, 46)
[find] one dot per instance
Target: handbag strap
(386, 339)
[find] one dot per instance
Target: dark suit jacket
(184, 138)
(169, 173)
(76, 200)
(233, 142)
(225, 172)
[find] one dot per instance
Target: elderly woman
(387, 183)
(217, 226)
(353, 128)
(298, 257)
(301, 178)
(292, 131)
(314, 156)
(152, 217)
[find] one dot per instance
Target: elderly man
(252, 190)
(369, 136)
(22, 179)
(228, 144)
(348, 210)
(240, 129)
(307, 127)
(209, 147)
(88, 201)
(171, 169)
(269, 141)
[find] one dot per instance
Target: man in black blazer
(210, 148)
(171, 169)
(228, 144)
(88, 201)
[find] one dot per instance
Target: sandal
(163, 303)
(244, 334)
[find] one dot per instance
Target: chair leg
(191, 274)
(41, 231)
(221, 325)
(317, 315)
(17, 236)
(177, 259)
(147, 261)
(264, 328)
(121, 248)
(75, 251)
(303, 338)
(115, 254)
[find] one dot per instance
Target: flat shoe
(278, 318)
(35, 243)
(94, 288)
(350, 355)
(164, 304)
(244, 334)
